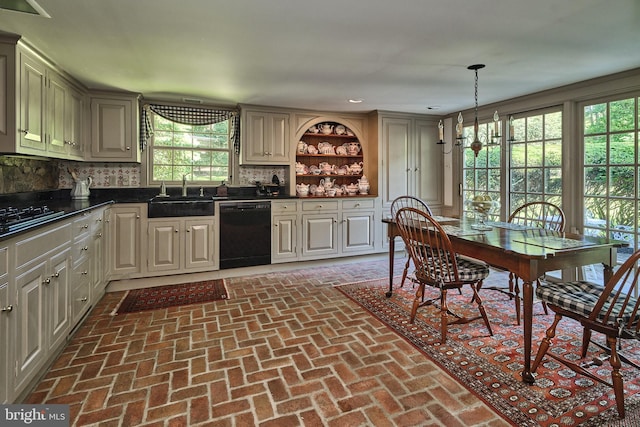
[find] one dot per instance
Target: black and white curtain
(189, 116)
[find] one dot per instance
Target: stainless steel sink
(162, 207)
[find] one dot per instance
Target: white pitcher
(80, 188)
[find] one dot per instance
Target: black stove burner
(12, 219)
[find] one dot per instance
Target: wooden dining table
(526, 251)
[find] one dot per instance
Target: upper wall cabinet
(411, 163)
(40, 110)
(114, 128)
(265, 137)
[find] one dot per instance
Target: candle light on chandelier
(476, 144)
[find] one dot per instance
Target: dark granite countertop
(60, 200)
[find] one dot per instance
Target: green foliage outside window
(201, 152)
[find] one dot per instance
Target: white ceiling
(403, 55)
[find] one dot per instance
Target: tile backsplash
(23, 174)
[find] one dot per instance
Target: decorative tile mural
(22, 174)
(104, 175)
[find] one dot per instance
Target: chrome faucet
(184, 185)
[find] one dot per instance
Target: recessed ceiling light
(433, 107)
(356, 100)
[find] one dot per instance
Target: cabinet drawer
(81, 226)
(320, 205)
(284, 207)
(80, 250)
(80, 290)
(358, 204)
(41, 242)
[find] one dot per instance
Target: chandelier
(476, 144)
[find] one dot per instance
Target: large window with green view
(481, 174)
(611, 171)
(535, 159)
(201, 152)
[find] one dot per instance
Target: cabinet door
(125, 252)
(357, 231)
(198, 241)
(265, 138)
(57, 301)
(163, 245)
(6, 321)
(113, 130)
(56, 115)
(29, 348)
(428, 164)
(73, 123)
(396, 136)
(32, 104)
(320, 234)
(284, 238)
(96, 268)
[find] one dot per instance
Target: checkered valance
(189, 116)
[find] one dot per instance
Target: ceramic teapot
(301, 168)
(80, 188)
(326, 148)
(302, 189)
(341, 150)
(353, 148)
(352, 189)
(326, 168)
(356, 168)
(302, 147)
(343, 170)
(313, 129)
(363, 180)
(327, 183)
(311, 149)
(325, 128)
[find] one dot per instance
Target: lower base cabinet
(322, 228)
(180, 245)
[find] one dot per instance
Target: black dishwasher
(245, 234)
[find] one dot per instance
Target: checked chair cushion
(580, 297)
(471, 271)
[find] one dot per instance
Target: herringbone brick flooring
(287, 349)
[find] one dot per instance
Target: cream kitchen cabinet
(411, 163)
(319, 228)
(7, 318)
(265, 138)
(125, 248)
(114, 128)
(32, 104)
(180, 245)
(284, 236)
(41, 307)
(358, 226)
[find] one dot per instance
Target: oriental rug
(173, 295)
(491, 366)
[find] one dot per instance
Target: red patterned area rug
(491, 366)
(173, 295)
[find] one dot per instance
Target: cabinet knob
(84, 273)
(84, 299)
(188, 230)
(85, 248)
(175, 230)
(46, 281)
(56, 274)
(7, 309)
(85, 226)
(24, 131)
(128, 148)
(99, 235)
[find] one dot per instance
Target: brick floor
(286, 349)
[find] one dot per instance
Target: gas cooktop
(12, 219)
